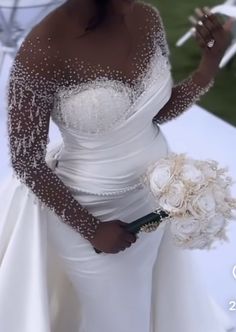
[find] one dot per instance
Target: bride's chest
(105, 100)
(101, 91)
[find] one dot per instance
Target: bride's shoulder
(147, 12)
(150, 20)
(35, 63)
(39, 48)
(41, 40)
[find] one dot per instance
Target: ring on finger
(211, 43)
(200, 23)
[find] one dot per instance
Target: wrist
(208, 68)
(88, 226)
(202, 79)
(93, 227)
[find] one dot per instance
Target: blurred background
(206, 130)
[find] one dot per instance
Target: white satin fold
(51, 279)
(114, 161)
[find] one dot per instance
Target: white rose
(160, 177)
(173, 200)
(215, 225)
(199, 242)
(222, 201)
(191, 173)
(218, 193)
(185, 228)
(209, 170)
(203, 205)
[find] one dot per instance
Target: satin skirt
(51, 279)
(150, 287)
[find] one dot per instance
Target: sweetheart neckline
(139, 81)
(118, 126)
(149, 78)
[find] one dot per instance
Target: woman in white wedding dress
(106, 82)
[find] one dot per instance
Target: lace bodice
(43, 83)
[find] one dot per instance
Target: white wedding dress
(51, 279)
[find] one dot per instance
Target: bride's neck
(82, 10)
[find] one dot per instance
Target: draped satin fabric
(51, 279)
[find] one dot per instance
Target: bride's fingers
(203, 20)
(122, 249)
(201, 42)
(128, 244)
(213, 19)
(199, 12)
(209, 27)
(209, 24)
(192, 20)
(203, 31)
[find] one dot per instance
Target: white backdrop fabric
(25, 3)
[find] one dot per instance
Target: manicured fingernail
(198, 11)
(192, 19)
(207, 10)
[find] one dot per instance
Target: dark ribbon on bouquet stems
(147, 223)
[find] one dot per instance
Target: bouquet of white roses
(196, 197)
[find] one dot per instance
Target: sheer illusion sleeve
(30, 95)
(156, 27)
(184, 93)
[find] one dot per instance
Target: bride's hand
(111, 237)
(209, 29)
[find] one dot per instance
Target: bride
(100, 70)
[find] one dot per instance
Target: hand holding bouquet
(196, 197)
(193, 196)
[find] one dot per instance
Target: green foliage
(221, 99)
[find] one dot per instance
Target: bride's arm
(30, 93)
(190, 90)
(184, 95)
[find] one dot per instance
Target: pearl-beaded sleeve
(30, 96)
(156, 27)
(184, 93)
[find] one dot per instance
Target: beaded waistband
(117, 192)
